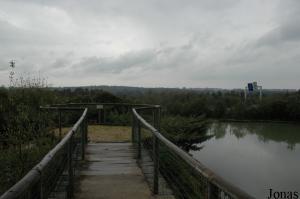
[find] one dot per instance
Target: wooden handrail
(212, 177)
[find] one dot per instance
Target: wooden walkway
(111, 172)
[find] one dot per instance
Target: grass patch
(102, 133)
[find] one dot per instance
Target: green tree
(186, 132)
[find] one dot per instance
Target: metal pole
(245, 93)
(260, 93)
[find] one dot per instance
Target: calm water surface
(254, 156)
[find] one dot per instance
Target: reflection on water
(254, 156)
(287, 133)
(195, 143)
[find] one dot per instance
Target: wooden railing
(157, 156)
(187, 177)
(57, 167)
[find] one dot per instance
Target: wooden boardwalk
(111, 172)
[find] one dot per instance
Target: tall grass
(25, 131)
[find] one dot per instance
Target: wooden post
(156, 151)
(70, 168)
(132, 127)
(82, 130)
(99, 116)
(100, 108)
(211, 189)
(139, 140)
(41, 186)
(59, 123)
(86, 129)
(157, 115)
(154, 117)
(156, 164)
(103, 115)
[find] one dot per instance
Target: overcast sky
(169, 43)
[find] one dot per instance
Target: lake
(255, 157)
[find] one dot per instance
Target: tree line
(27, 133)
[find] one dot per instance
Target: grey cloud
(115, 64)
(60, 63)
(272, 58)
(4, 65)
(10, 34)
(164, 43)
(163, 58)
(287, 29)
(285, 33)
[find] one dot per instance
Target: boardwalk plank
(110, 171)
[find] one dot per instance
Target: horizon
(161, 87)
